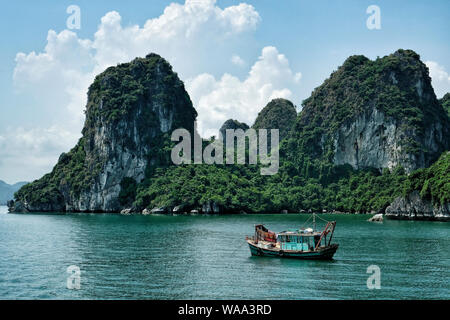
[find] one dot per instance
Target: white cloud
(440, 78)
(228, 97)
(57, 78)
(60, 75)
(26, 154)
(235, 59)
(182, 34)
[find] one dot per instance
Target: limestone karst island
(372, 138)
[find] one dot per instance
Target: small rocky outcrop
(159, 210)
(413, 207)
(16, 206)
(277, 114)
(10, 203)
(182, 208)
(230, 124)
(376, 218)
(126, 212)
(24, 207)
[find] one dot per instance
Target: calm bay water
(206, 257)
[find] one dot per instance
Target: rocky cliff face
(413, 207)
(131, 111)
(373, 139)
(381, 114)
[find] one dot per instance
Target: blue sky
(307, 40)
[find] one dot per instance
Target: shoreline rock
(126, 212)
(376, 218)
(413, 207)
(212, 207)
(159, 210)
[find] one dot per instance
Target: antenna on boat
(314, 222)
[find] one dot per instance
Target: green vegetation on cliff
(433, 182)
(239, 188)
(70, 175)
(277, 114)
(115, 92)
(445, 102)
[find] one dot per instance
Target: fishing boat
(304, 243)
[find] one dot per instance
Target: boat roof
(298, 233)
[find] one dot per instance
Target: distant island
(373, 138)
(7, 191)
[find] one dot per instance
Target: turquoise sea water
(206, 257)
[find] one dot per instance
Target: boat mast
(314, 222)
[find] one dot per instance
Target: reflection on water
(206, 257)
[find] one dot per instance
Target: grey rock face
(211, 207)
(125, 145)
(16, 206)
(413, 207)
(381, 113)
(120, 161)
(374, 140)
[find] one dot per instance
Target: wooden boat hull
(321, 254)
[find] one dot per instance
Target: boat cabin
(302, 241)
